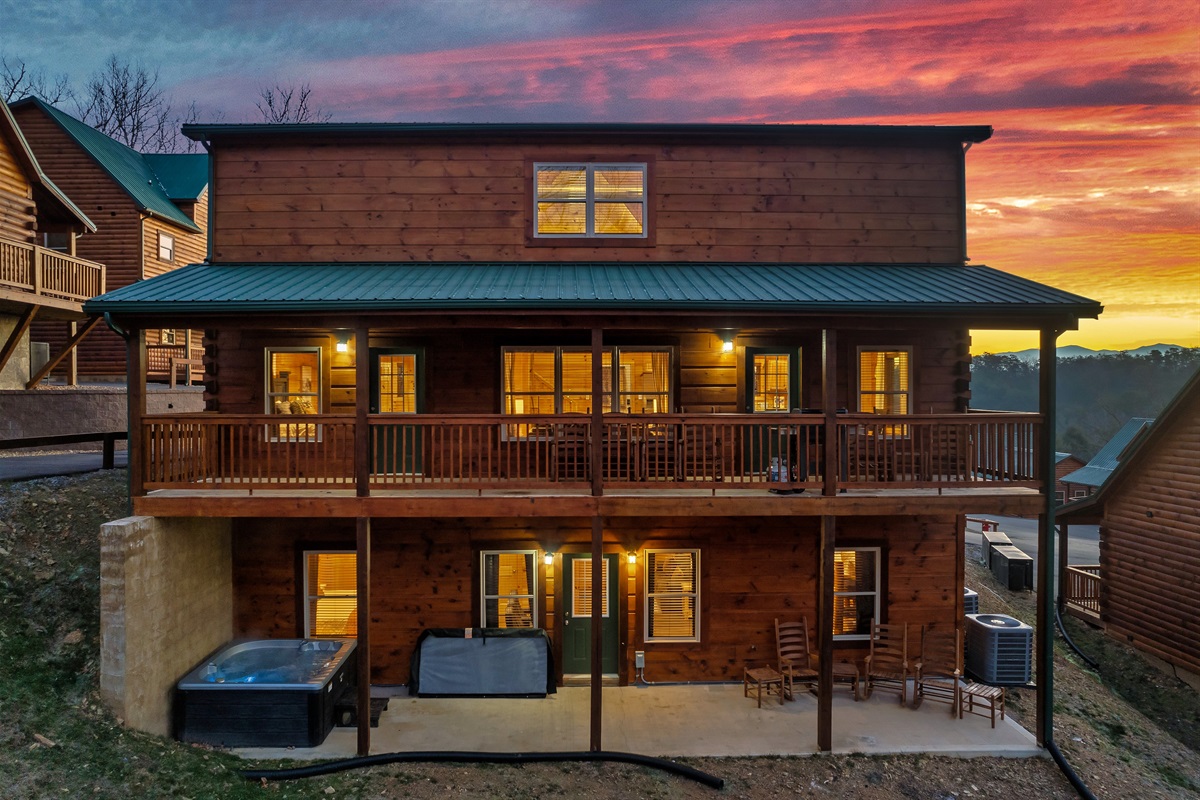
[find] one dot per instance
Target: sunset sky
(1091, 182)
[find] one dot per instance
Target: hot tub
(265, 693)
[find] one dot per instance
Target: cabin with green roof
(151, 216)
(451, 372)
(41, 277)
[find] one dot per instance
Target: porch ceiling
(897, 290)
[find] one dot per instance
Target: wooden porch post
(1047, 400)
(1064, 538)
(829, 401)
(73, 358)
(135, 398)
(363, 591)
(597, 695)
(825, 635)
(362, 407)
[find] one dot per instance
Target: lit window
(672, 595)
(772, 381)
(590, 200)
(293, 388)
(169, 336)
(855, 592)
(507, 581)
(331, 594)
(884, 383)
(558, 380)
(166, 247)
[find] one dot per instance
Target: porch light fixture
(548, 559)
(631, 559)
(727, 338)
(343, 344)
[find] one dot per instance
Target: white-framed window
(330, 594)
(856, 591)
(293, 388)
(59, 241)
(1060, 497)
(169, 336)
(672, 596)
(508, 588)
(166, 247)
(589, 200)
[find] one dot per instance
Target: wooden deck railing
(526, 452)
(163, 362)
(1081, 591)
(42, 271)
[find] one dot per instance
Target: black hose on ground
(330, 767)
(1063, 630)
(1077, 782)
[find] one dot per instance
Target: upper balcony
(49, 274)
(505, 465)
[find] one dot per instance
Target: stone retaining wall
(166, 602)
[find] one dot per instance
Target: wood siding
(472, 201)
(120, 242)
(425, 574)
(462, 368)
(18, 212)
(1150, 548)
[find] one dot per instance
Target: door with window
(772, 387)
(577, 618)
(396, 390)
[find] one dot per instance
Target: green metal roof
(789, 288)
(126, 166)
(1106, 461)
(184, 176)
(835, 134)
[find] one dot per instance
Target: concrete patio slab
(698, 720)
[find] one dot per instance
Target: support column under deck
(1047, 400)
(363, 591)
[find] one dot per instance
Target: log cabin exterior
(151, 213)
(489, 361)
(1144, 590)
(40, 275)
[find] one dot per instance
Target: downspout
(1046, 604)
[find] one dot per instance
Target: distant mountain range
(1075, 351)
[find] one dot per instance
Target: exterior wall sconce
(343, 344)
(631, 559)
(727, 337)
(548, 559)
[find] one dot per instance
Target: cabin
(1064, 464)
(151, 214)
(452, 372)
(41, 277)
(1144, 589)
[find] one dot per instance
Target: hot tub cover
(493, 662)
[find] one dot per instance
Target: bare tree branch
(289, 104)
(17, 81)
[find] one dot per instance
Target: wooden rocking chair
(939, 669)
(795, 657)
(887, 663)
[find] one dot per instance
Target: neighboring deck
(676, 465)
(36, 275)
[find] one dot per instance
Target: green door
(773, 387)
(396, 389)
(577, 614)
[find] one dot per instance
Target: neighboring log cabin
(151, 215)
(40, 275)
(1144, 590)
(453, 371)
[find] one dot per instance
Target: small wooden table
(762, 677)
(847, 671)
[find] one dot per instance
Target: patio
(697, 720)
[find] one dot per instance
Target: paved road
(23, 468)
(1083, 548)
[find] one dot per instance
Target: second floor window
(558, 380)
(166, 247)
(590, 200)
(884, 381)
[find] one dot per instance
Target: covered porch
(669, 720)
